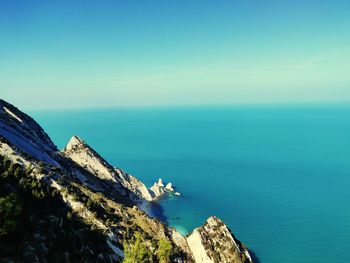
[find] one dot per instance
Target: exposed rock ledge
(214, 242)
(83, 155)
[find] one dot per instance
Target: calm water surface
(279, 177)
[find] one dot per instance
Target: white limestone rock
(215, 243)
(25, 133)
(159, 190)
(83, 155)
(135, 185)
(169, 187)
(160, 182)
(197, 248)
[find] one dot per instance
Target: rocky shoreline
(103, 198)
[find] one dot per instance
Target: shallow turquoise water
(279, 177)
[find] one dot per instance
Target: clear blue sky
(63, 54)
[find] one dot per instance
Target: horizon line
(195, 106)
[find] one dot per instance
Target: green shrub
(137, 252)
(164, 250)
(10, 209)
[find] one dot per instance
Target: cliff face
(84, 156)
(23, 132)
(214, 242)
(92, 198)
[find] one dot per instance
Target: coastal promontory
(73, 206)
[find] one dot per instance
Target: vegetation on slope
(137, 252)
(36, 223)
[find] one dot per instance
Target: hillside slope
(75, 207)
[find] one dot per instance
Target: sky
(98, 54)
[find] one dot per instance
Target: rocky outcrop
(169, 187)
(86, 157)
(88, 186)
(83, 155)
(135, 185)
(214, 242)
(23, 132)
(160, 190)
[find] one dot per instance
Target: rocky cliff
(73, 206)
(214, 242)
(84, 156)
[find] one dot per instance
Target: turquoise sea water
(279, 177)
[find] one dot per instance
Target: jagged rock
(24, 133)
(158, 190)
(169, 187)
(214, 242)
(83, 155)
(160, 182)
(135, 185)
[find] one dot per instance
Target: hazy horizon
(85, 54)
(309, 105)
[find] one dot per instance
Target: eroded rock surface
(214, 242)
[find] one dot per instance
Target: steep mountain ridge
(23, 132)
(83, 155)
(102, 197)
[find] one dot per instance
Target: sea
(279, 176)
